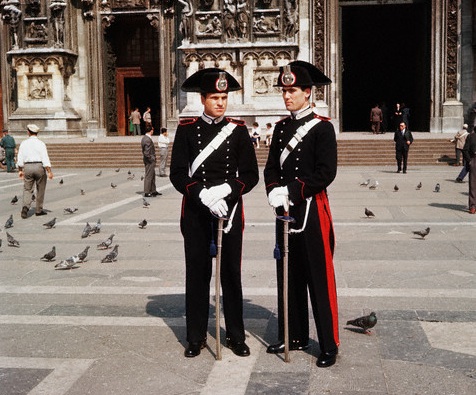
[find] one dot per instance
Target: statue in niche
(37, 32)
(290, 18)
(229, 19)
(242, 18)
(57, 13)
(186, 21)
(11, 14)
(40, 88)
(260, 25)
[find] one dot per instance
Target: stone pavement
(118, 328)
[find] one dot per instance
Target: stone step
(350, 152)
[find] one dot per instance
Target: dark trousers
(149, 178)
(401, 154)
(310, 268)
(198, 228)
(10, 158)
(472, 183)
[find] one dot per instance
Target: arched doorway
(132, 57)
(386, 58)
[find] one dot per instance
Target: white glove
(279, 196)
(220, 208)
(206, 197)
(212, 195)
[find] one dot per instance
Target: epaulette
(322, 117)
(187, 121)
(238, 122)
(283, 119)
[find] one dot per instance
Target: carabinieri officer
(213, 164)
(302, 163)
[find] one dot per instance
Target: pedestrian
(269, 134)
(376, 119)
(148, 156)
(458, 140)
(406, 115)
(469, 152)
(147, 118)
(8, 144)
(164, 142)
(397, 116)
(135, 120)
(255, 134)
(33, 167)
(213, 164)
(302, 163)
(403, 139)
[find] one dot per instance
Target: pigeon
(422, 233)
(14, 200)
(9, 222)
(50, 224)
(70, 210)
(70, 263)
(129, 172)
(106, 243)
(83, 192)
(131, 177)
(395, 188)
(142, 178)
(113, 185)
(0, 244)
(117, 170)
(143, 224)
(112, 256)
(61, 182)
(49, 256)
(11, 241)
(374, 185)
(365, 183)
(145, 203)
(365, 322)
(91, 140)
(369, 213)
(100, 172)
(418, 187)
(96, 228)
(86, 231)
(437, 188)
(83, 254)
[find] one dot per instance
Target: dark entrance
(386, 59)
(132, 57)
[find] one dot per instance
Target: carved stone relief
(452, 50)
(39, 86)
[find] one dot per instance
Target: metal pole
(217, 287)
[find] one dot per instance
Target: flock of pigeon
(73, 261)
(374, 185)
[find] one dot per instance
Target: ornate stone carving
(88, 6)
(33, 8)
(154, 20)
(57, 16)
(319, 26)
(452, 50)
(186, 21)
(39, 86)
(11, 15)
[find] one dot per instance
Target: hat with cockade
(300, 73)
(211, 80)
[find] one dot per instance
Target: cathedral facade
(79, 67)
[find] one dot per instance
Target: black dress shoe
(238, 348)
(194, 349)
(42, 212)
(326, 359)
(147, 195)
(156, 193)
(294, 345)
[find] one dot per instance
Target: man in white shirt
(33, 166)
(164, 142)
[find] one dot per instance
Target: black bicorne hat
(211, 80)
(300, 73)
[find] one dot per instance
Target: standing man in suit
(376, 119)
(302, 163)
(403, 139)
(213, 164)
(148, 154)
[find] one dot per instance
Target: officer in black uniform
(213, 164)
(302, 163)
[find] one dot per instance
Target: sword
(286, 220)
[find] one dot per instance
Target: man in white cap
(33, 167)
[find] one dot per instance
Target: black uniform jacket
(401, 139)
(234, 162)
(311, 166)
